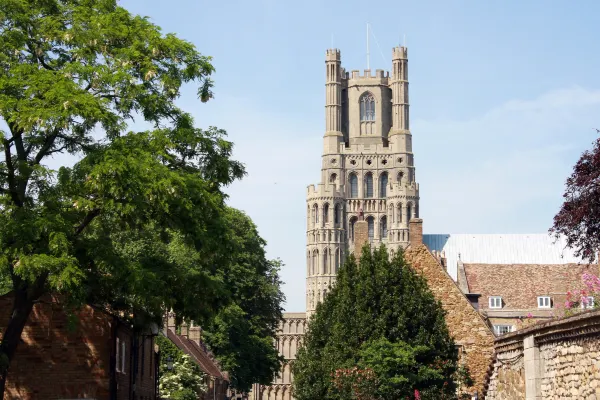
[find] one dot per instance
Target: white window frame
(123, 352)
(590, 303)
(544, 302)
(497, 328)
(495, 302)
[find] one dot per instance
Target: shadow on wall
(60, 356)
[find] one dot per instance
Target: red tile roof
(519, 285)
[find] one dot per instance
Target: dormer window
(367, 107)
(495, 302)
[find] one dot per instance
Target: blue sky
(504, 97)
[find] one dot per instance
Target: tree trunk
(22, 307)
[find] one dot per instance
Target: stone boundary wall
(553, 360)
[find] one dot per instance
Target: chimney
(195, 334)
(361, 235)
(415, 232)
(184, 330)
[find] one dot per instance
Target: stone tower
(367, 165)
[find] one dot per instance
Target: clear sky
(504, 97)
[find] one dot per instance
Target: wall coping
(581, 324)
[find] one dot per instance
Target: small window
(495, 302)
(118, 356)
(544, 302)
(369, 185)
(587, 302)
(371, 227)
(383, 227)
(122, 356)
(502, 329)
(353, 186)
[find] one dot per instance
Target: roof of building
(537, 248)
(198, 354)
(519, 285)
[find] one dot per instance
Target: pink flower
(529, 315)
(417, 395)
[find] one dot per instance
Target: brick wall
(61, 360)
(54, 362)
(361, 236)
(465, 324)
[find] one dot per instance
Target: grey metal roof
(536, 248)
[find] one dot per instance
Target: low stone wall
(555, 360)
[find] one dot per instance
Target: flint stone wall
(554, 360)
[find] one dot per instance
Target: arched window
(337, 260)
(315, 214)
(399, 212)
(408, 212)
(352, 222)
(369, 185)
(367, 107)
(332, 178)
(353, 185)
(336, 214)
(383, 181)
(326, 213)
(399, 177)
(371, 225)
(325, 269)
(315, 262)
(383, 227)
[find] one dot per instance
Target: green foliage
(242, 334)
(380, 316)
(139, 223)
(185, 381)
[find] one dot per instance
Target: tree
(379, 317)
(137, 224)
(579, 217)
(185, 380)
(242, 334)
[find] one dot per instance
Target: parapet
(333, 55)
(399, 53)
(322, 190)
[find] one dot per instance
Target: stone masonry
(470, 331)
(559, 359)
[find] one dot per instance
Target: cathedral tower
(367, 164)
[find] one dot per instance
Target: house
(93, 356)
(189, 341)
(512, 279)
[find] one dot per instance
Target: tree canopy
(382, 319)
(241, 335)
(578, 219)
(139, 223)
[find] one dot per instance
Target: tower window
(326, 213)
(383, 182)
(383, 227)
(353, 186)
(367, 107)
(352, 222)
(332, 178)
(369, 185)
(371, 225)
(336, 214)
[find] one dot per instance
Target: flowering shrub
(183, 382)
(355, 383)
(584, 298)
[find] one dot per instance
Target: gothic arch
(353, 185)
(351, 223)
(325, 213)
(368, 185)
(383, 229)
(367, 106)
(383, 182)
(371, 226)
(315, 216)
